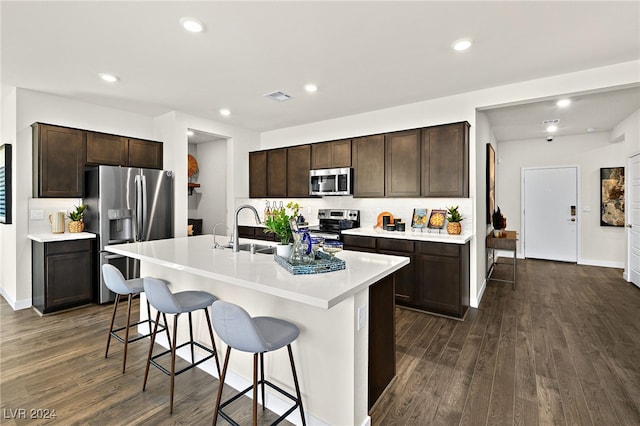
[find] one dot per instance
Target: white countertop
(260, 272)
(426, 235)
(49, 237)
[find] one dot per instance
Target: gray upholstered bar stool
(165, 302)
(256, 335)
(116, 283)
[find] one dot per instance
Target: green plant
(497, 219)
(78, 214)
(278, 222)
(454, 215)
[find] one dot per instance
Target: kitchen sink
(257, 248)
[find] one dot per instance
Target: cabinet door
(107, 149)
(405, 278)
(68, 279)
(298, 164)
(445, 161)
(258, 174)
(358, 243)
(368, 166)
(277, 172)
(438, 284)
(145, 154)
(341, 153)
(58, 162)
(321, 154)
(402, 164)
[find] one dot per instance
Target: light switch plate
(362, 312)
(37, 214)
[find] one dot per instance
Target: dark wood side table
(508, 242)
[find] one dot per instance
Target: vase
(454, 228)
(283, 250)
(497, 233)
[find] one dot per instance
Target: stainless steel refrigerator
(126, 205)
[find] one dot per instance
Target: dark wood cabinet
(298, 164)
(58, 161)
(144, 154)
(62, 274)
(258, 174)
(105, 149)
(327, 155)
(382, 341)
(367, 156)
(445, 160)
(436, 279)
(402, 164)
(277, 172)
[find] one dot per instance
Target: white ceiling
(363, 56)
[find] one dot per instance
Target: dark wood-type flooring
(563, 348)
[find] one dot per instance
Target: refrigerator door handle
(144, 221)
(139, 207)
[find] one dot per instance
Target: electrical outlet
(362, 317)
(37, 214)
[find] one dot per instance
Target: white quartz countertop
(260, 272)
(426, 235)
(49, 237)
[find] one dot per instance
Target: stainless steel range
(333, 221)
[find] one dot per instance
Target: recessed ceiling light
(192, 25)
(109, 78)
(563, 103)
(311, 88)
(225, 112)
(591, 129)
(461, 45)
(552, 128)
(189, 132)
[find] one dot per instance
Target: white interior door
(550, 213)
(633, 188)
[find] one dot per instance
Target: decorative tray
(322, 263)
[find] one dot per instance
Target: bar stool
(256, 335)
(116, 283)
(165, 302)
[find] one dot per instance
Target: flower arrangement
(278, 222)
(498, 221)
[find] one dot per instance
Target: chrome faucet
(236, 245)
(216, 245)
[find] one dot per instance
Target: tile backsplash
(41, 208)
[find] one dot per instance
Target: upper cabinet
(60, 155)
(327, 155)
(427, 162)
(106, 149)
(445, 160)
(402, 164)
(145, 154)
(298, 163)
(258, 174)
(58, 161)
(367, 156)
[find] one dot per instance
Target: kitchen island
(345, 319)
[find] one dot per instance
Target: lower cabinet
(62, 274)
(256, 233)
(436, 280)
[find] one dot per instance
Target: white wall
(458, 108)
(599, 245)
(212, 195)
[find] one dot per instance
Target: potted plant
(76, 217)
(278, 223)
(454, 218)
(499, 222)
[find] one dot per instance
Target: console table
(506, 242)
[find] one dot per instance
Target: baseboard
(602, 263)
(16, 306)
(483, 287)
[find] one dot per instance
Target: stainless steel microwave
(331, 181)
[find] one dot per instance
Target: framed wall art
(491, 181)
(5, 183)
(612, 196)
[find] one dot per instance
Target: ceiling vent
(278, 96)
(550, 122)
